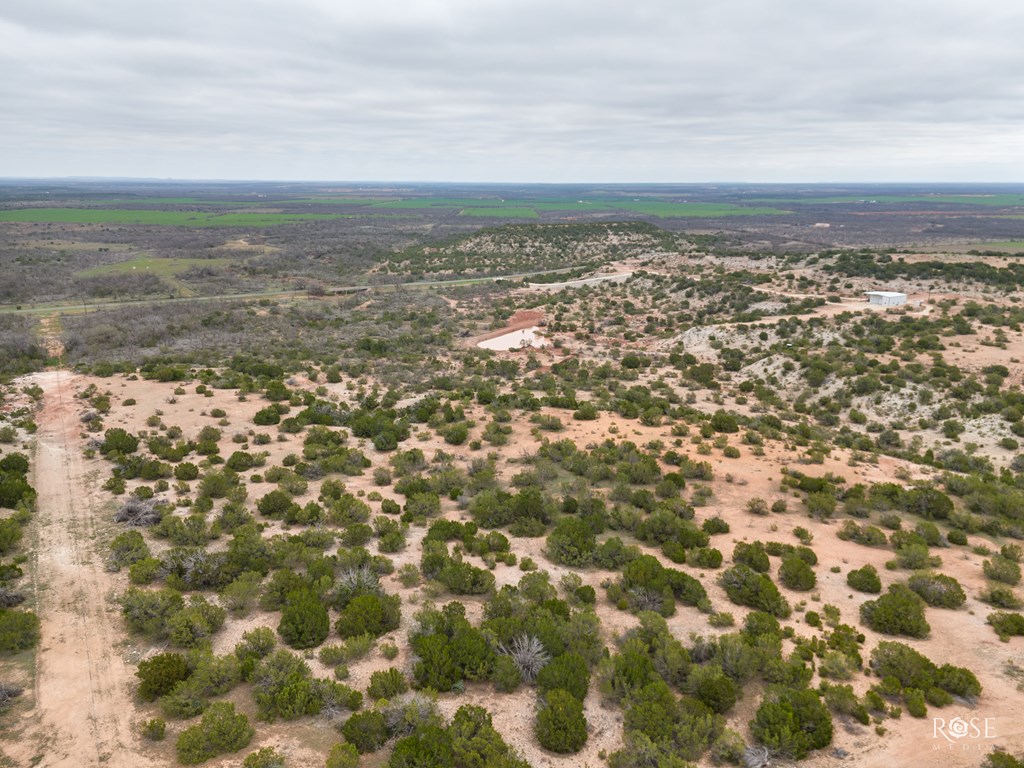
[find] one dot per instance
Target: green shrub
(254, 645)
(938, 590)
(568, 672)
(283, 687)
(901, 663)
(127, 548)
(19, 630)
(449, 649)
(793, 723)
(913, 699)
(193, 624)
(752, 555)
(386, 684)
(728, 748)
(1001, 597)
(938, 697)
(865, 579)
(745, 586)
(372, 614)
(1006, 624)
(898, 612)
(713, 688)
(118, 441)
(304, 620)
(160, 673)
(343, 756)
(561, 726)
(154, 729)
(10, 534)
(148, 612)
(571, 543)
(144, 571)
(714, 525)
(476, 744)
(268, 757)
(1002, 569)
(704, 557)
(997, 758)
(429, 745)
(913, 556)
(505, 675)
(221, 730)
(957, 537)
(186, 471)
(958, 681)
(796, 574)
(366, 731)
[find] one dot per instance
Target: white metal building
(886, 298)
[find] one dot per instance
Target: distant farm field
(173, 201)
(503, 212)
(157, 218)
(529, 208)
(1005, 245)
(441, 202)
(995, 201)
(695, 210)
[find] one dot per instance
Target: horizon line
(185, 180)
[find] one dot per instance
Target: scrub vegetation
(729, 513)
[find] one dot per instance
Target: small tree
(757, 506)
(366, 731)
(793, 724)
(561, 726)
(304, 620)
(865, 579)
(268, 757)
(898, 612)
(387, 683)
(159, 674)
(938, 589)
(371, 614)
(19, 630)
(795, 573)
(220, 730)
(343, 756)
(567, 672)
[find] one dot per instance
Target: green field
(335, 201)
(421, 203)
(1003, 245)
(154, 266)
(173, 201)
(996, 201)
(158, 218)
(528, 208)
(695, 210)
(504, 213)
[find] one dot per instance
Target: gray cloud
(563, 90)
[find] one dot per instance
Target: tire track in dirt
(83, 689)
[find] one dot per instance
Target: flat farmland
(157, 217)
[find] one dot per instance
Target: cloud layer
(493, 90)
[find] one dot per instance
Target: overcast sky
(514, 90)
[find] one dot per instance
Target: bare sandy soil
(519, 321)
(84, 710)
(82, 697)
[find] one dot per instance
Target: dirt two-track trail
(82, 705)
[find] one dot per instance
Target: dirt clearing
(82, 697)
